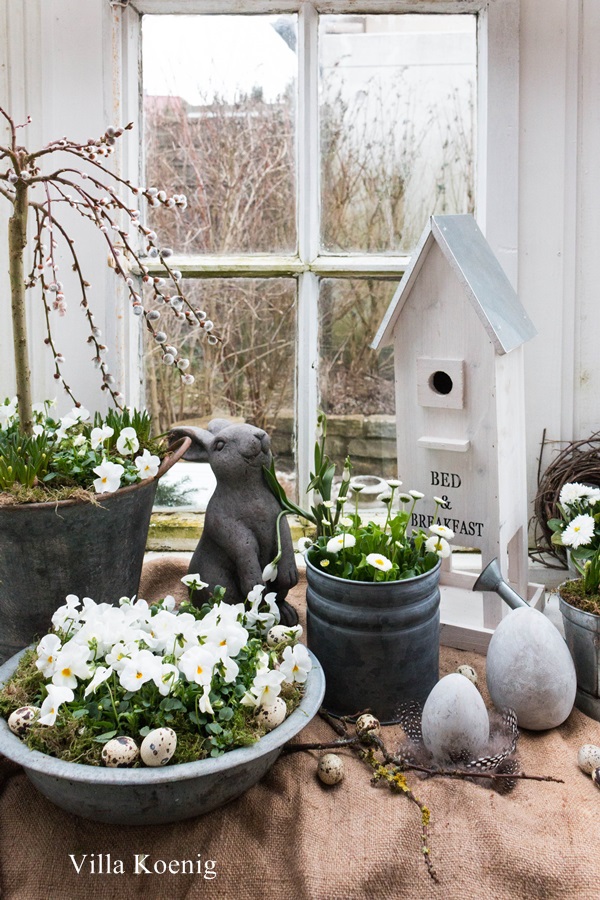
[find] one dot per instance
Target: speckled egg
(272, 715)
(454, 719)
(158, 747)
(588, 758)
(120, 752)
(331, 768)
(22, 719)
(469, 672)
(367, 723)
(279, 633)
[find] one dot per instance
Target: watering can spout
(491, 580)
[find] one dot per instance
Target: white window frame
(497, 158)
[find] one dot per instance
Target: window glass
(397, 103)
(357, 383)
(219, 112)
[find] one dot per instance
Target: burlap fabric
(290, 837)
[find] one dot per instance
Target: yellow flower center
(66, 673)
(50, 659)
(199, 670)
(139, 675)
(223, 644)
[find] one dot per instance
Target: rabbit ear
(201, 442)
(216, 425)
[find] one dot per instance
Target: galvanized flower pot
(582, 634)
(378, 642)
(49, 550)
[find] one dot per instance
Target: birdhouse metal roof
(485, 283)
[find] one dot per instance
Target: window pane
(357, 383)
(397, 102)
(219, 111)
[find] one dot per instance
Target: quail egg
(469, 672)
(158, 747)
(331, 769)
(279, 633)
(588, 758)
(22, 719)
(366, 724)
(120, 752)
(272, 715)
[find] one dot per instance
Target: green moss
(574, 593)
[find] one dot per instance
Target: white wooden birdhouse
(458, 328)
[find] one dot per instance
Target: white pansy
(71, 665)
(47, 651)
(127, 442)
(67, 614)
(194, 581)
(109, 477)
(266, 687)
(378, 561)
(442, 531)
(79, 413)
(270, 572)
(198, 664)
(439, 545)
(147, 464)
(142, 667)
(165, 678)
(57, 695)
(337, 543)
(204, 702)
(101, 674)
(579, 532)
(99, 435)
(295, 664)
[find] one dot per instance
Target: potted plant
(181, 709)
(578, 530)
(373, 592)
(76, 492)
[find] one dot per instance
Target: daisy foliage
(106, 671)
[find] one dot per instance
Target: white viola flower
(79, 413)
(119, 655)
(79, 440)
(303, 544)
(65, 615)
(263, 662)
(142, 667)
(71, 665)
(572, 492)
(147, 464)
(101, 674)
(295, 664)
(168, 602)
(127, 442)
(47, 651)
(194, 581)
(166, 678)
(339, 542)
(255, 595)
(266, 687)
(270, 572)
(37, 429)
(109, 477)
(65, 423)
(442, 531)
(229, 638)
(579, 532)
(231, 670)
(204, 702)
(416, 495)
(439, 545)
(57, 695)
(249, 699)
(197, 664)
(378, 561)
(99, 435)
(8, 412)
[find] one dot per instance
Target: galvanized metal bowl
(155, 796)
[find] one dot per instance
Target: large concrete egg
(529, 668)
(454, 719)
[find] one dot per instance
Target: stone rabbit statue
(239, 537)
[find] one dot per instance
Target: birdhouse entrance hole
(441, 382)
